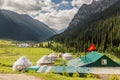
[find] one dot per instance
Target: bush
(31, 71)
(23, 71)
(113, 77)
(89, 75)
(76, 74)
(2, 71)
(64, 73)
(52, 71)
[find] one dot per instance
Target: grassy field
(9, 55)
(49, 76)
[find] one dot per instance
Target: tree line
(104, 32)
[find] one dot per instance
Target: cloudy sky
(56, 14)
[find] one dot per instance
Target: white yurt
(21, 64)
(53, 56)
(67, 56)
(45, 60)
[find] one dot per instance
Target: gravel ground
(17, 77)
(106, 70)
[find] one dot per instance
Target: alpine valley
(98, 23)
(37, 43)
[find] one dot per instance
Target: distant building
(53, 56)
(93, 59)
(67, 56)
(24, 45)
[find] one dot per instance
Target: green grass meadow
(50, 76)
(9, 55)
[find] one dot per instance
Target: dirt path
(17, 77)
(103, 77)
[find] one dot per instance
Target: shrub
(89, 75)
(2, 71)
(31, 71)
(64, 73)
(76, 74)
(113, 77)
(52, 71)
(23, 71)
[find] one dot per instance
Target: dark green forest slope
(103, 30)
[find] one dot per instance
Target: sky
(57, 14)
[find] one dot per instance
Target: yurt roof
(22, 61)
(67, 54)
(52, 55)
(44, 59)
(60, 53)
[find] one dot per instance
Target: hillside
(103, 30)
(87, 12)
(22, 27)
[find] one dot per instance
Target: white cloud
(1, 2)
(58, 19)
(46, 10)
(78, 3)
(22, 6)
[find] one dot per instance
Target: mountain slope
(103, 30)
(87, 12)
(22, 27)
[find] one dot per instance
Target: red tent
(91, 48)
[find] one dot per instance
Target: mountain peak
(88, 10)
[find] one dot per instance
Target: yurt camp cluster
(86, 64)
(46, 61)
